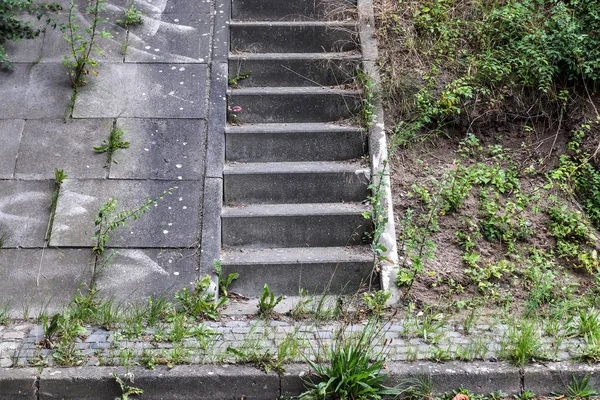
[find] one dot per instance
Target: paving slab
(161, 149)
(24, 212)
(144, 91)
(29, 50)
(34, 92)
(173, 222)
(56, 47)
(172, 6)
(10, 137)
(172, 38)
(132, 275)
(47, 145)
(42, 279)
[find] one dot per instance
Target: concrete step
(293, 37)
(287, 270)
(295, 182)
(294, 225)
(293, 142)
(294, 69)
(293, 104)
(274, 10)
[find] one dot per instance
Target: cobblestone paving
(249, 339)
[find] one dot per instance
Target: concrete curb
(378, 151)
(248, 382)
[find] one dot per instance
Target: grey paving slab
(13, 86)
(172, 6)
(161, 149)
(34, 91)
(47, 145)
(132, 275)
(55, 47)
(172, 223)
(10, 138)
(174, 38)
(26, 51)
(24, 212)
(42, 279)
(144, 91)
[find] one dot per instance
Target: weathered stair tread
(286, 127)
(298, 255)
(294, 91)
(294, 142)
(286, 9)
(304, 209)
(293, 36)
(287, 270)
(319, 167)
(295, 182)
(350, 55)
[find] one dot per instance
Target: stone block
(133, 275)
(173, 222)
(144, 91)
(10, 137)
(55, 144)
(161, 149)
(42, 280)
(24, 212)
(170, 38)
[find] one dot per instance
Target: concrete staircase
(295, 178)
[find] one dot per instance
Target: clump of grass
(522, 343)
(354, 368)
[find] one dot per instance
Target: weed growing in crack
(131, 16)
(267, 302)
(107, 220)
(224, 282)
(239, 77)
(83, 44)
(522, 343)
(59, 178)
(115, 141)
(4, 314)
(201, 302)
(125, 384)
(354, 367)
(367, 113)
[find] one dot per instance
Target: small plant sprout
(131, 16)
(107, 220)
(267, 302)
(375, 301)
(115, 142)
(241, 76)
(200, 303)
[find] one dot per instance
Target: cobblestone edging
(406, 340)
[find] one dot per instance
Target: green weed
(200, 303)
(131, 16)
(114, 142)
(267, 302)
(522, 343)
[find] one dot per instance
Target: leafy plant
(115, 142)
(83, 44)
(200, 303)
(131, 16)
(580, 388)
(368, 98)
(267, 302)
(14, 28)
(375, 301)
(59, 177)
(125, 385)
(224, 283)
(107, 221)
